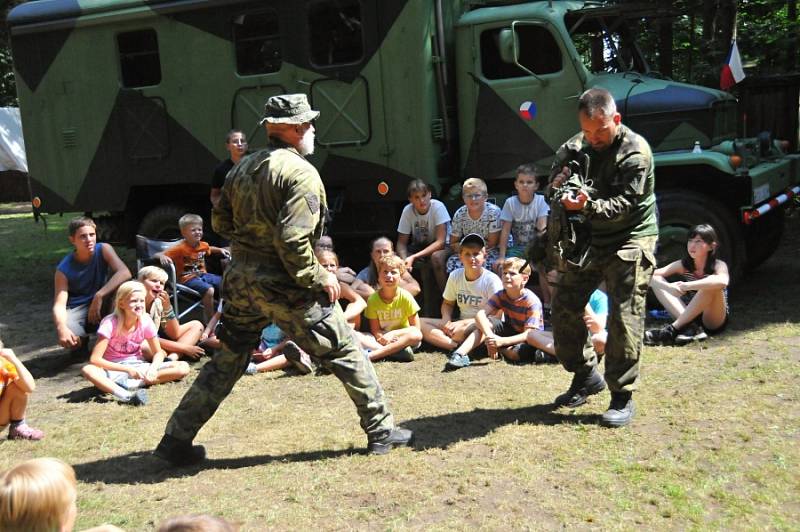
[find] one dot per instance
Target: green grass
(714, 444)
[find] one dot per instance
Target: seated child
(422, 230)
(469, 288)
(16, 383)
(117, 364)
(344, 274)
(524, 218)
(503, 324)
(40, 494)
(392, 314)
(595, 317)
(270, 354)
(353, 303)
(382, 247)
(699, 301)
(176, 339)
(475, 216)
(189, 257)
(81, 284)
(209, 336)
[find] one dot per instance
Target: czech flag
(732, 72)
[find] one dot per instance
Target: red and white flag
(732, 72)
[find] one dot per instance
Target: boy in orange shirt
(189, 257)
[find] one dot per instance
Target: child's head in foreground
(197, 523)
(38, 495)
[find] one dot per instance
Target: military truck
(126, 103)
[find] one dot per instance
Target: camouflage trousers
(627, 272)
(319, 328)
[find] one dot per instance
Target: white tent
(12, 145)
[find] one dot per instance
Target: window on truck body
(257, 41)
(139, 60)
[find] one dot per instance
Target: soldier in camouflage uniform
(622, 213)
(272, 209)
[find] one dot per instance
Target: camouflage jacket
(272, 209)
(624, 204)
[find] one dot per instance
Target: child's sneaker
(663, 336)
(132, 384)
(299, 358)
(139, 398)
(456, 361)
(540, 357)
(251, 369)
(404, 355)
(23, 431)
(690, 333)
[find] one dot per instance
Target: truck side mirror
(506, 45)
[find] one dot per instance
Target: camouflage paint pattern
(95, 145)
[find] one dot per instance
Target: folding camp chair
(145, 249)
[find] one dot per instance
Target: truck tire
(680, 211)
(161, 222)
(764, 237)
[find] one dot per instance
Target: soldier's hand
(331, 286)
(574, 202)
(560, 177)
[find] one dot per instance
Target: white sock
(122, 395)
(133, 384)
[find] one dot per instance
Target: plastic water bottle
(697, 148)
(659, 314)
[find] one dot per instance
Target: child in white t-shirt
(468, 288)
(421, 232)
(524, 218)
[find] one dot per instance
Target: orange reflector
(383, 188)
(735, 160)
(36, 202)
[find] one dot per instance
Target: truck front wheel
(161, 222)
(679, 211)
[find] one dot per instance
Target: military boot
(621, 410)
(584, 384)
(179, 452)
(384, 442)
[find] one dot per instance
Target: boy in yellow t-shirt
(392, 314)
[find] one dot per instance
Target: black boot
(382, 444)
(583, 385)
(178, 452)
(621, 410)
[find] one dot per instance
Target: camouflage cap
(288, 109)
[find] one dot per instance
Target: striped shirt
(522, 313)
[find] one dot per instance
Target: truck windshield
(605, 43)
